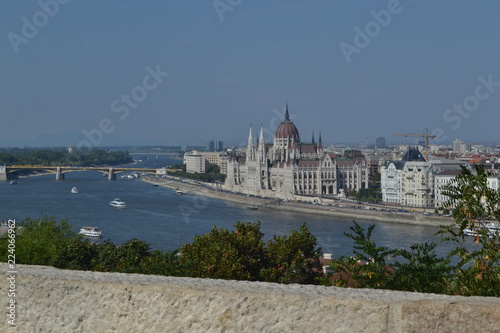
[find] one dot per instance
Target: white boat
(74, 190)
(13, 182)
(91, 232)
(493, 229)
(118, 203)
(179, 191)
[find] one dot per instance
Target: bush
(39, 242)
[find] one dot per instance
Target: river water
(165, 220)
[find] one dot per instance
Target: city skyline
(120, 73)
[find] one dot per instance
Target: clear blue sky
(237, 65)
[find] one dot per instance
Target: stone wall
(52, 300)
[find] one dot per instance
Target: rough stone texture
(53, 300)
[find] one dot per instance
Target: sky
(182, 72)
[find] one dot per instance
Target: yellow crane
(426, 137)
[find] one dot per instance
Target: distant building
(390, 182)
(195, 162)
(218, 158)
(198, 162)
(215, 145)
(446, 177)
(440, 180)
(411, 181)
(380, 143)
(288, 168)
(461, 147)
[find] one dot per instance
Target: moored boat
(493, 229)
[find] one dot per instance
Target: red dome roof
(287, 129)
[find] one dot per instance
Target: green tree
(60, 156)
(39, 241)
(126, 258)
(293, 258)
(164, 263)
(421, 271)
(368, 268)
(79, 254)
(474, 205)
(222, 254)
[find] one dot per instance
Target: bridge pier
(111, 174)
(3, 173)
(59, 174)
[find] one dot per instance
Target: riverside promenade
(342, 209)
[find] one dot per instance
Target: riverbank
(350, 210)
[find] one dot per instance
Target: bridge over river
(8, 172)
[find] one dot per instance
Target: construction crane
(426, 136)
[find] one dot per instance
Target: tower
(262, 147)
(250, 146)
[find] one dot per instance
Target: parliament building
(289, 169)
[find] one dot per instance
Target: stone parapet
(53, 300)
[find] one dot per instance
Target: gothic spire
(287, 116)
(261, 137)
(262, 145)
(250, 147)
(313, 138)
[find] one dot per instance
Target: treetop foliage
(61, 156)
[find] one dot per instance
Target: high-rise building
(380, 142)
(461, 147)
(215, 145)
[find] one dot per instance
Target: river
(157, 216)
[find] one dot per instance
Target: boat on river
(74, 190)
(91, 232)
(116, 202)
(493, 229)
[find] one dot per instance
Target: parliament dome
(287, 129)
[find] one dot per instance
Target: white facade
(390, 180)
(440, 180)
(198, 161)
(195, 162)
(288, 167)
(413, 182)
(417, 184)
(445, 178)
